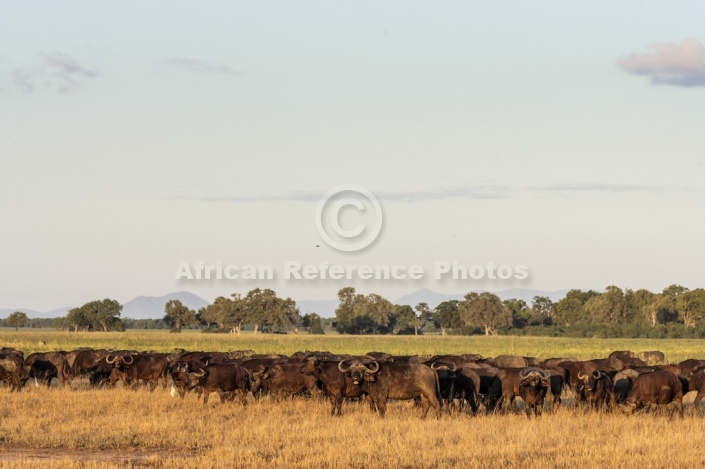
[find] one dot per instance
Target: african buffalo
(599, 389)
(86, 360)
(652, 357)
(285, 379)
(226, 379)
(459, 382)
(43, 369)
(533, 385)
(403, 381)
(510, 361)
(11, 367)
(697, 383)
(337, 384)
(656, 388)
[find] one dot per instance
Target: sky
(564, 137)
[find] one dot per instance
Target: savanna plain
(77, 426)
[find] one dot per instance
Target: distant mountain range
(152, 307)
(142, 307)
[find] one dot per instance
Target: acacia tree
(484, 310)
(233, 312)
(446, 316)
(17, 319)
(99, 314)
(178, 315)
(77, 319)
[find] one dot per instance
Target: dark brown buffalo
(573, 369)
(610, 365)
(533, 386)
(689, 366)
(86, 360)
(652, 357)
(557, 379)
(71, 357)
(623, 384)
(552, 362)
(226, 379)
(655, 389)
(599, 390)
(403, 381)
(145, 367)
(508, 387)
(697, 383)
(510, 361)
(401, 359)
(103, 374)
(11, 367)
(285, 379)
(43, 369)
(337, 384)
(457, 381)
(379, 356)
(675, 369)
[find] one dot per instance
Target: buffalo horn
(132, 359)
(341, 367)
(376, 367)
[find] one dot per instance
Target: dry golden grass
(80, 427)
(65, 427)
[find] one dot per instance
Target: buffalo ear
(370, 377)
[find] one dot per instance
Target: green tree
(424, 315)
(258, 306)
(98, 314)
(484, 310)
(177, 315)
(569, 310)
(404, 320)
(447, 316)
(380, 311)
(314, 323)
(691, 306)
(233, 313)
(642, 306)
(542, 310)
(360, 314)
(521, 314)
(76, 318)
(17, 319)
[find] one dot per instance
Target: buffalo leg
(381, 406)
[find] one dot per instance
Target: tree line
(674, 312)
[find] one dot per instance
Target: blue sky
(565, 137)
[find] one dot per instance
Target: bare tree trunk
(256, 327)
(443, 330)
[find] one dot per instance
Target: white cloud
(199, 66)
(55, 72)
(669, 64)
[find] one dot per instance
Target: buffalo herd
(466, 383)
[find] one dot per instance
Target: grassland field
(77, 426)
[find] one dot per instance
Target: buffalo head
(359, 372)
